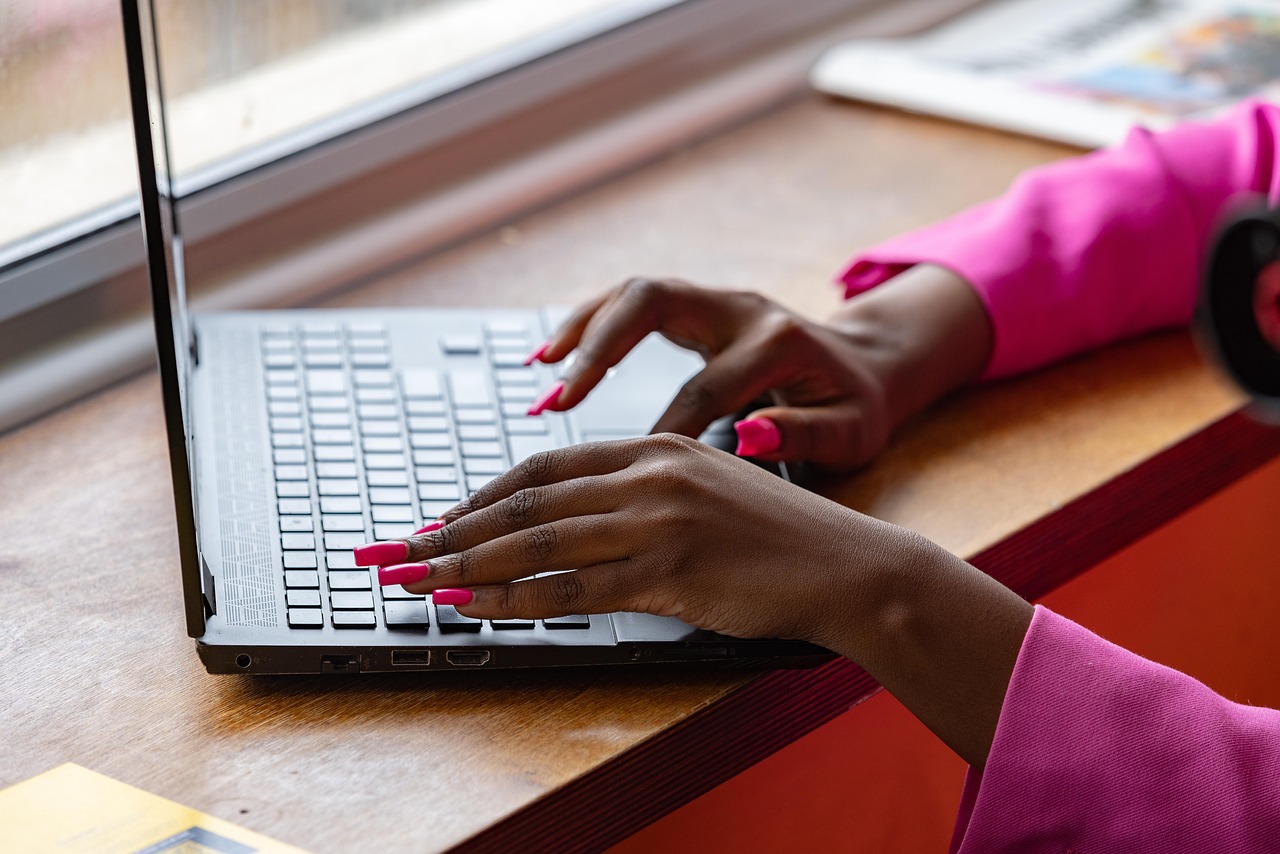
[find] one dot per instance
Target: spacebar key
(523, 447)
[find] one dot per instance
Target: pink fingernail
(434, 526)
(451, 596)
(548, 397)
(381, 554)
(403, 573)
(757, 436)
(536, 355)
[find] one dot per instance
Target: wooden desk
(1034, 480)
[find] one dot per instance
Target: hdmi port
(410, 657)
(467, 657)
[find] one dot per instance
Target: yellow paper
(73, 809)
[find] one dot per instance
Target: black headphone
(1238, 316)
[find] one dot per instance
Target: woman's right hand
(838, 388)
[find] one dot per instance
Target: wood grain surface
(97, 670)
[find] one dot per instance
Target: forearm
(940, 635)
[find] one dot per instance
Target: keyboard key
(326, 382)
(393, 530)
(354, 620)
(330, 419)
(508, 359)
(341, 522)
(332, 437)
(512, 624)
(511, 344)
(305, 542)
(379, 428)
(525, 426)
(301, 578)
(574, 621)
(321, 344)
(424, 407)
(435, 474)
(322, 359)
(515, 376)
(291, 472)
(303, 598)
(389, 495)
(306, 618)
(439, 492)
(351, 600)
(343, 542)
(523, 447)
(449, 620)
(475, 416)
(428, 424)
(436, 509)
(384, 461)
(366, 329)
(478, 481)
(382, 444)
(460, 345)
(392, 513)
(330, 504)
(339, 470)
(295, 524)
(339, 560)
(375, 395)
(468, 388)
(507, 328)
(483, 465)
(515, 409)
(319, 329)
(518, 394)
(349, 580)
(283, 425)
(289, 456)
(284, 407)
(293, 489)
(474, 432)
(406, 614)
(286, 440)
(283, 392)
(334, 453)
(481, 449)
(294, 507)
(395, 591)
(299, 560)
(433, 458)
(372, 411)
(321, 403)
(420, 384)
(426, 441)
(338, 486)
(277, 345)
(371, 359)
(282, 377)
(371, 378)
(387, 478)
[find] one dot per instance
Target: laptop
(295, 436)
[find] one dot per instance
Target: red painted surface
(1201, 594)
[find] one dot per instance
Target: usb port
(410, 657)
(467, 657)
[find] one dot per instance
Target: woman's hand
(668, 526)
(839, 388)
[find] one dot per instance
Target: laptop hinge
(208, 591)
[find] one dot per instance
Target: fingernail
(451, 596)
(757, 436)
(403, 573)
(548, 398)
(434, 526)
(381, 554)
(536, 354)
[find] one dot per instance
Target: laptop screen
(174, 340)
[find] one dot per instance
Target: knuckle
(785, 328)
(540, 544)
(521, 506)
(642, 289)
(464, 569)
(567, 590)
(541, 467)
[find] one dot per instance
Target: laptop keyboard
(364, 451)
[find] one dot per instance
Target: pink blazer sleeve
(1096, 248)
(1098, 749)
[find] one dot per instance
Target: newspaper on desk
(1081, 72)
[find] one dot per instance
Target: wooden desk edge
(669, 770)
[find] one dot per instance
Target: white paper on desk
(1082, 72)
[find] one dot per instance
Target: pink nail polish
(536, 355)
(548, 397)
(451, 596)
(757, 436)
(403, 573)
(381, 554)
(434, 526)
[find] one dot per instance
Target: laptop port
(243, 661)
(410, 657)
(467, 657)
(339, 664)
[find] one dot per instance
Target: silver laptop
(295, 436)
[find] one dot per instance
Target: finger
(731, 380)
(553, 547)
(565, 338)
(834, 436)
(602, 589)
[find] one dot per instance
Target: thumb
(836, 437)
